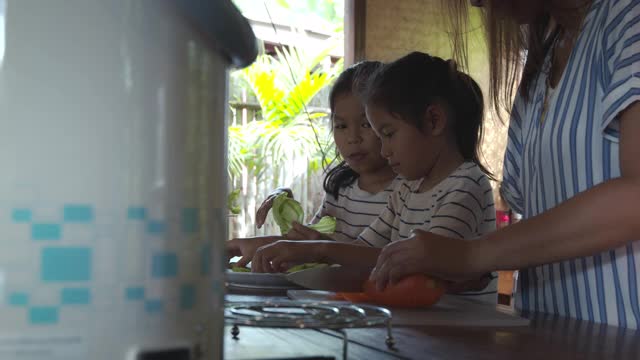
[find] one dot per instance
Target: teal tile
(60, 264)
(156, 227)
(164, 265)
(136, 213)
(75, 296)
(46, 231)
(78, 213)
(21, 215)
(18, 299)
(205, 260)
(190, 222)
(153, 306)
(187, 297)
(134, 293)
(44, 315)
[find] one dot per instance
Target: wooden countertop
(547, 338)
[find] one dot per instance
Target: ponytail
(409, 85)
(467, 105)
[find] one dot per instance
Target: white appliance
(113, 176)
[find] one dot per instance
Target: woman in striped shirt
(428, 116)
(572, 164)
(357, 189)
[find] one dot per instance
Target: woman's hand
(278, 256)
(247, 247)
(430, 254)
(263, 210)
(301, 232)
(477, 284)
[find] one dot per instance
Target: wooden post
(355, 14)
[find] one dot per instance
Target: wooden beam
(355, 16)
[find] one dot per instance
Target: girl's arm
(332, 252)
(247, 247)
(363, 252)
(278, 256)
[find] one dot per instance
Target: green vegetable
(285, 211)
(235, 268)
(305, 266)
(232, 202)
(326, 225)
(239, 269)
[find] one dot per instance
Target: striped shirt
(575, 148)
(354, 209)
(460, 206)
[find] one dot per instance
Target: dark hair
(352, 80)
(516, 52)
(407, 86)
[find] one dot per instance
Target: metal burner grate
(306, 315)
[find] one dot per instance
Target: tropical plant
(288, 129)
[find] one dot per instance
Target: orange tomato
(413, 291)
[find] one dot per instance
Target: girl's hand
(301, 232)
(438, 256)
(246, 247)
(263, 210)
(275, 257)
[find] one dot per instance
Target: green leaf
(285, 211)
(232, 202)
(326, 225)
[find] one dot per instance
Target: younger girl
(357, 189)
(429, 118)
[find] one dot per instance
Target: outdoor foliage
(288, 129)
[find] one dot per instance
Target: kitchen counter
(546, 337)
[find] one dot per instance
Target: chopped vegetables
(305, 266)
(235, 268)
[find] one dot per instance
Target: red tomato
(413, 291)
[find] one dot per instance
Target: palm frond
(284, 86)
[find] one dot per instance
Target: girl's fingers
(260, 217)
(277, 264)
(243, 261)
(256, 264)
(293, 235)
(263, 211)
(261, 258)
(298, 230)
